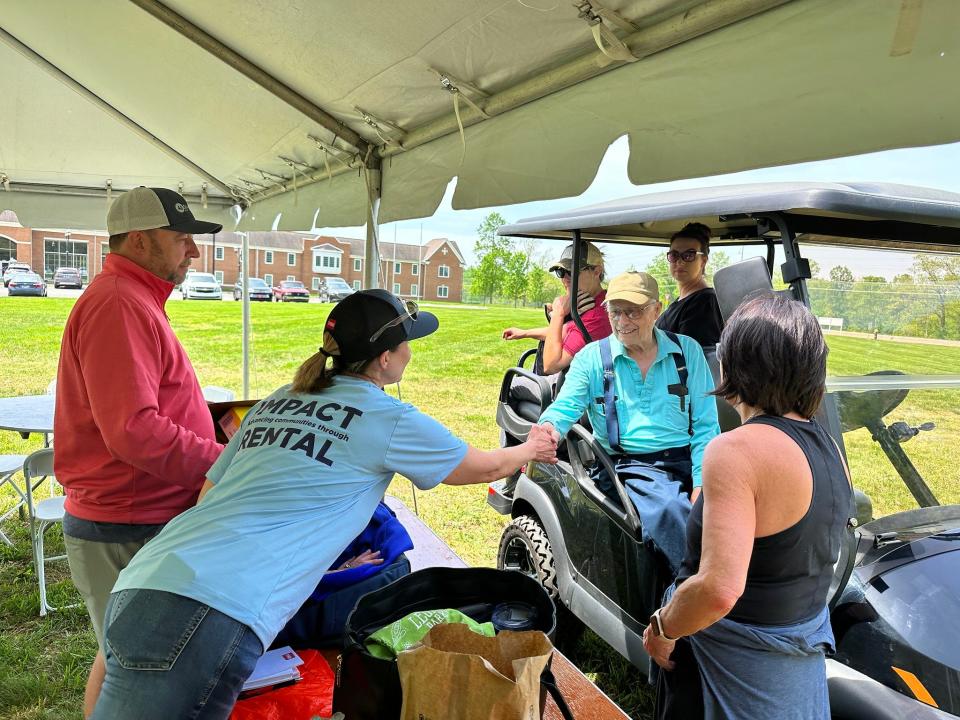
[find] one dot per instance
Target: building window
(218, 253)
(396, 288)
(443, 291)
(397, 268)
(356, 284)
(443, 271)
(316, 283)
(414, 290)
(415, 269)
(268, 257)
(292, 259)
(63, 252)
(290, 277)
(356, 265)
(268, 279)
(218, 274)
(328, 263)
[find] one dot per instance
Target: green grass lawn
(455, 376)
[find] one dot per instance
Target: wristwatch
(656, 626)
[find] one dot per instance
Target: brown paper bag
(456, 674)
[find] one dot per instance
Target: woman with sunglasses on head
(301, 478)
(562, 338)
(696, 312)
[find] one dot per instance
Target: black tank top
(790, 571)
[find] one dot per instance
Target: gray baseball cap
(144, 208)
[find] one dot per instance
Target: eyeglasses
(687, 256)
(412, 310)
(634, 313)
(562, 272)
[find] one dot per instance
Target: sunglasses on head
(687, 255)
(562, 272)
(412, 310)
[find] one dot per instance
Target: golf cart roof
(849, 214)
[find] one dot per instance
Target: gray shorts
(94, 567)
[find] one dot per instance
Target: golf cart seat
(520, 404)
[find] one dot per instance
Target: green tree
(660, 269)
(492, 251)
(941, 275)
(841, 274)
(718, 259)
(516, 266)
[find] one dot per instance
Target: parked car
(26, 283)
(894, 596)
(13, 269)
(291, 291)
(258, 290)
(333, 289)
(67, 277)
(200, 286)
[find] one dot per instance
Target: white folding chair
(213, 393)
(43, 515)
(10, 465)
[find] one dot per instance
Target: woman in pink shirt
(562, 338)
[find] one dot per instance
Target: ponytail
(315, 375)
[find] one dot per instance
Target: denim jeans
(172, 657)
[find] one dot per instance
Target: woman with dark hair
(197, 606)
(750, 601)
(696, 312)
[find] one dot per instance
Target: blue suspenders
(609, 386)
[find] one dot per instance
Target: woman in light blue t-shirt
(197, 606)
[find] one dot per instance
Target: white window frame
(443, 271)
(291, 259)
(327, 263)
(414, 290)
(414, 269)
(396, 288)
(356, 284)
(218, 274)
(268, 279)
(397, 268)
(316, 283)
(268, 257)
(218, 252)
(357, 264)
(291, 277)
(443, 291)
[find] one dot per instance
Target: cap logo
(181, 207)
(331, 323)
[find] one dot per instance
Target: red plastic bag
(310, 697)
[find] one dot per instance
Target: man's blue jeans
(172, 657)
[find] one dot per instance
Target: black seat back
(740, 281)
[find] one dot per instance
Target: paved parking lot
(73, 292)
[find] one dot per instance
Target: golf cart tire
(539, 555)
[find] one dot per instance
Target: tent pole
(85, 92)
(371, 271)
(245, 286)
(255, 73)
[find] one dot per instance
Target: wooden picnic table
(586, 700)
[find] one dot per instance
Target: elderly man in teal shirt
(656, 406)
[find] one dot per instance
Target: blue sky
(928, 166)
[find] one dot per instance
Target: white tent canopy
(287, 108)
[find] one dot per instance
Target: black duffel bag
(368, 688)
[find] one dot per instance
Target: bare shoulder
(748, 452)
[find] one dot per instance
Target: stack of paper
(274, 667)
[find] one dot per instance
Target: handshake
(542, 443)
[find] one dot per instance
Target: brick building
(433, 271)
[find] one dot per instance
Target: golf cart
(895, 598)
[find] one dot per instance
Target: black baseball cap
(360, 316)
(144, 208)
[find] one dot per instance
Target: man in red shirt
(133, 435)
(562, 339)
